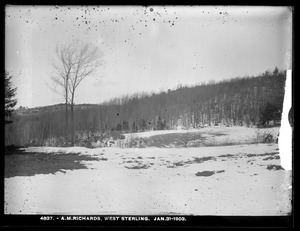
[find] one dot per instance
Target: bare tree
(65, 62)
(75, 62)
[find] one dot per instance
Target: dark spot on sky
(151, 9)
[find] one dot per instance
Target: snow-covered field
(211, 136)
(225, 180)
(233, 132)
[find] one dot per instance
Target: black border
(183, 221)
(281, 222)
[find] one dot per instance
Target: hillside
(248, 101)
(50, 108)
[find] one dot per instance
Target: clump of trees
(248, 101)
(269, 112)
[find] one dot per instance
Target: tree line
(242, 101)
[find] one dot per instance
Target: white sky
(145, 48)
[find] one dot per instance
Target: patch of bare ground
(274, 167)
(208, 173)
(29, 164)
(265, 154)
(195, 160)
(173, 140)
(138, 166)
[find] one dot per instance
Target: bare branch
(74, 63)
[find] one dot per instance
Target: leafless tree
(74, 62)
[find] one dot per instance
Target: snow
(58, 150)
(245, 187)
(234, 132)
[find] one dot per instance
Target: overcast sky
(144, 48)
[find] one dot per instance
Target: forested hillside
(247, 101)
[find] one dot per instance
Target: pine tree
(10, 93)
(276, 71)
(269, 112)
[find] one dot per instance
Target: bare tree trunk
(72, 126)
(67, 115)
(72, 118)
(67, 124)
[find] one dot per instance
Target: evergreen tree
(276, 71)
(269, 112)
(143, 125)
(10, 92)
(134, 127)
(119, 127)
(125, 125)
